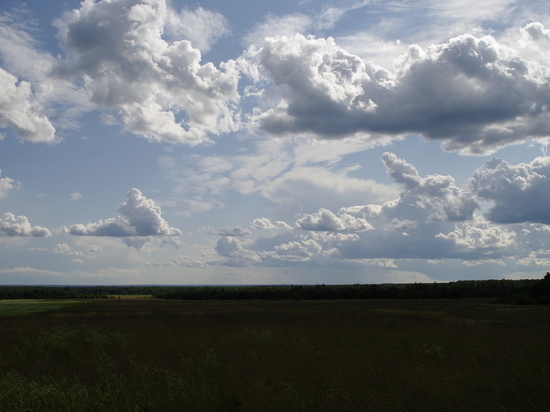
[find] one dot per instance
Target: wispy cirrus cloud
(287, 172)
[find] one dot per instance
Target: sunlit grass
(129, 296)
(18, 307)
(150, 355)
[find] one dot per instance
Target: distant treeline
(506, 291)
(78, 292)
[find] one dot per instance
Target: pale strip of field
(18, 307)
(130, 296)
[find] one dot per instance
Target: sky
(258, 142)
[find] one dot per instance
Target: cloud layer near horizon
(432, 219)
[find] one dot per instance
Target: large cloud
(34, 104)
(19, 226)
(21, 102)
(440, 192)
(474, 94)
(22, 111)
(139, 220)
(520, 193)
(160, 88)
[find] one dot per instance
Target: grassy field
(372, 355)
(18, 307)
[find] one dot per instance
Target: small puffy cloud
(235, 232)
(520, 193)
(161, 89)
(139, 220)
(264, 223)
(234, 254)
(402, 224)
(180, 261)
(325, 220)
(7, 185)
(187, 262)
(293, 251)
(11, 225)
(483, 95)
(75, 196)
(537, 33)
(535, 259)
(228, 247)
(65, 249)
(94, 249)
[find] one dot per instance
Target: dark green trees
(541, 290)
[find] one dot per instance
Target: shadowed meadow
(249, 355)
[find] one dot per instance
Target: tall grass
(205, 356)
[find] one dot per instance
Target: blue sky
(252, 142)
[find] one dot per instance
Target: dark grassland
(246, 355)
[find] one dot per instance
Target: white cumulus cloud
(264, 223)
(7, 185)
(448, 201)
(11, 225)
(139, 220)
(519, 193)
(472, 93)
(325, 220)
(65, 249)
(161, 88)
(22, 111)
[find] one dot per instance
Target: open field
(31, 306)
(354, 355)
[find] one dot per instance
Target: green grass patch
(21, 307)
(129, 296)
